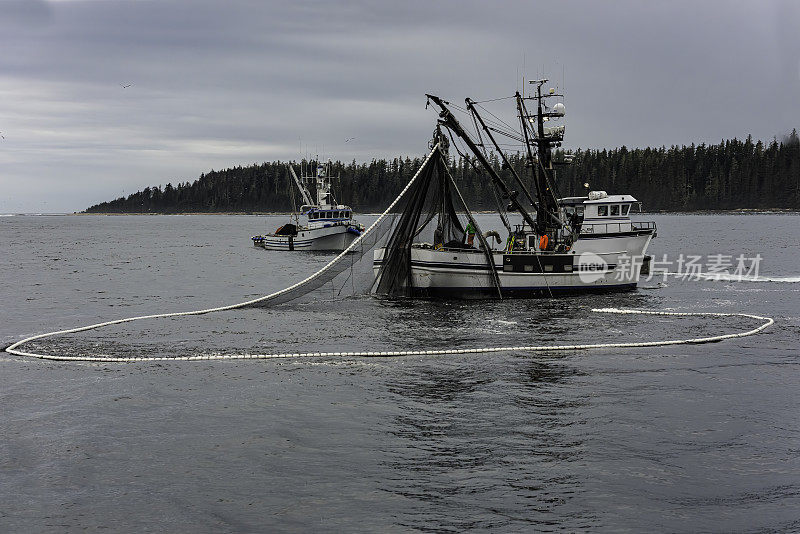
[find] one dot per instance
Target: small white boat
(328, 225)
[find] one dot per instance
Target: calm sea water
(678, 439)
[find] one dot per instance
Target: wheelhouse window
(615, 210)
(625, 209)
(602, 211)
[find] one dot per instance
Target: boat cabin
(601, 213)
(598, 207)
(593, 215)
(330, 214)
(606, 208)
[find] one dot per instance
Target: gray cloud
(217, 84)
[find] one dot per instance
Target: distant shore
(737, 211)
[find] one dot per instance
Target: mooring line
(767, 321)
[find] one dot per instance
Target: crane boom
(303, 191)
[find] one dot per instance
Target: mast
(447, 119)
(323, 186)
(545, 138)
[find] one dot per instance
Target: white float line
(383, 354)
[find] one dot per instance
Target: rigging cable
(495, 99)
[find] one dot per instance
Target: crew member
(470, 233)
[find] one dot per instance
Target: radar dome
(559, 109)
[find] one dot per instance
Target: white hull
(337, 237)
(595, 264)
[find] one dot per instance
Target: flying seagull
(125, 86)
(349, 139)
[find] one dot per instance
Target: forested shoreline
(733, 174)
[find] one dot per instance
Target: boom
(448, 119)
(303, 191)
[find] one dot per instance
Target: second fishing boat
(327, 225)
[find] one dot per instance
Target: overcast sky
(216, 84)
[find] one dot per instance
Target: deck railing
(612, 228)
(643, 225)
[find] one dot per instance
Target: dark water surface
(685, 438)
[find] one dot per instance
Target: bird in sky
(126, 85)
(349, 139)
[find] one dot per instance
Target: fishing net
(427, 216)
(339, 271)
(430, 198)
(424, 212)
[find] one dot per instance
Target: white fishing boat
(561, 245)
(326, 224)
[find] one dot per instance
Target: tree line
(733, 174)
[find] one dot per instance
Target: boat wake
(724, 277)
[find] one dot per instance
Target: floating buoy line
(339, 264)
(766, 321)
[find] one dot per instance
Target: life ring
(543, 242)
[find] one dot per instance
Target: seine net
(339, 271)
(427, 216)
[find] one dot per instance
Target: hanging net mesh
(423, 213)
(427, 216)
(404, 214)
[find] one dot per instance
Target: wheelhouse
(597, 207)
(609, 207)
(330, 215)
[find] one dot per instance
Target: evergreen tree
(729, 175)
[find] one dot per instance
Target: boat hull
(595, 265)
(332, 238)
